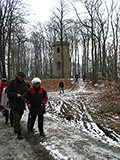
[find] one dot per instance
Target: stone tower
(57, 60)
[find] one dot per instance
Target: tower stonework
(57, 60)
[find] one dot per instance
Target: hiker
(76, 77)
(37, 98)
(4, 101)
(84, 77)
(61, 86)
(16, 91)
(3, 85)
(5, 105)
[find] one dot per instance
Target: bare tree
(11, 14)
(60, 23)
(38, 41)
(115, 30)
(73, 34)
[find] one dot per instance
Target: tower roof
(59, 43)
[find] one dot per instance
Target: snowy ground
(11, 148)
(70, 131)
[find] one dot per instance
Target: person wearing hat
(3, 85)
(4, 101)
(17, 91)
(36, 104)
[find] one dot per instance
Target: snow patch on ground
(78, 138)
(68, 138)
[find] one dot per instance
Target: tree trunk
(9, 50)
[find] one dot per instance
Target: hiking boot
(42, 134)
(20, 136)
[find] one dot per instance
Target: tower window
(59, 66)
(58, 50)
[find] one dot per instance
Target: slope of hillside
(53, 84)
(104, 106)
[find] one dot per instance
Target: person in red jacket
(2, 86)
(37, 98)
(84, 77)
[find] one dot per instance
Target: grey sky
(39, 9)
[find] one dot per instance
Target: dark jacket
(15, 87)
(61, 84)
(37, 98)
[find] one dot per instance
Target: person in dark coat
(61, 86)
(36, 104)
(16, 91)
(76, 77)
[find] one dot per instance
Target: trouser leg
(1, 107)
(33, 118)
(11, 118)
(17, 115)
(60, 90)
(6, 115)
(40, 123)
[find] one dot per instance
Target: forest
(92, 28)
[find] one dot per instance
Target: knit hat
(36, 80)
(4, 79)
(22, 74)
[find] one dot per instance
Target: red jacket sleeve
(45, 97)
